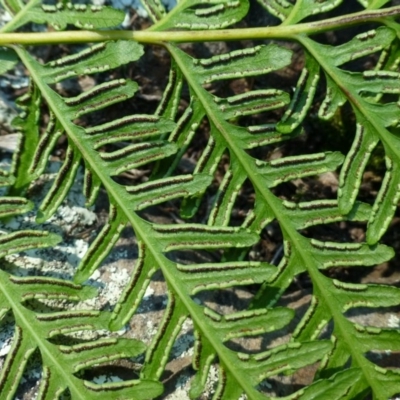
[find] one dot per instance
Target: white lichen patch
(393, 321)
(212, 382)
(6, 335)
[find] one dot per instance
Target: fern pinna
(242, 129)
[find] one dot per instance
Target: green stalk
(386, 15)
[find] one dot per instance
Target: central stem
(153, 37)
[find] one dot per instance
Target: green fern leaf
(201, 14)
(112, 148)
(373, 4)
(374, 121)
(60, 362)
(38, 330)
(291, 13)
(65, 13)
(155, 9)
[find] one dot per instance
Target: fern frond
(110, 148)
(34, 160)
(62, 14)
(375, 120)
(301, 254)
(203, 14)
(39, 331)
(291, 13)
(61, 363)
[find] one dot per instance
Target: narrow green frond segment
(79, 15)
(312, 7)
(207, 164)
(16, 242)
(133, 127)
(61, 185)
(10, 206)
(155, 9)
(27, 122)
(208, 276)
(101, 246)
(97, 58)
(319, 212)
(286, 358)
(91, 186)
(302, 97)
(333, 100)
(353, 167)
(136, 155)
(158, 352)
(181, 137)
(249, 323)
(162, 190)
(263, 135)
(46, 144)
(168, 106)
(289, 168)
(197, 236)
(227, 387)
(279, 8)
(134, 290)
(100, 96)
(252, 102)
(336, 387)
(14, 364)
(134, 389)
(51, 288)
(203, 14)
(226, 196)
(204, 355)
(376, 339)
(330, 254)
(12, 6)
(361, 45)
(290, 13)
(94, 351)
(8, 60)
(385, 205)
(371, 296)
(242, 63)
(305, 8)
